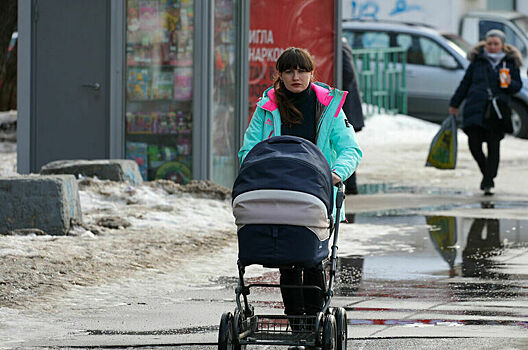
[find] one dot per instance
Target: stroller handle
(333, 256)
(340, 195)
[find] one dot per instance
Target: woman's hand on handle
(335, 179)
(453, 110)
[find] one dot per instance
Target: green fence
(381, 78)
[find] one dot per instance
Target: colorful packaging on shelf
(183, 122)
(172, 18)
(138, 84)
(183, 83)
(149, 15)
(142, 123)
(175, 171)
(184, 147)
(173, 125)
(164, 124)
(137, 151)
(162, 85)
(153, 154)
(132, 20)
(174, 163)
(138, 55)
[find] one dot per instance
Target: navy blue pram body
(282, 203)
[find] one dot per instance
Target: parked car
(474, 26)
(436, 63)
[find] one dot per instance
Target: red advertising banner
(278, 24)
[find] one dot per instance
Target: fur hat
(510, 51)
(498, 34)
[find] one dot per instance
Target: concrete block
(48, 203)
(8, 126)
(105, 169)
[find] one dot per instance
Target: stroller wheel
(341, 328)
(329, 333)
(238, 322)
(239, 326)
(225, 333)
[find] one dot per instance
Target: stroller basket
(280, 329)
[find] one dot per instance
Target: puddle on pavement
(453, 259)
(484, 257)
(480, 258)
(440, 258)
(378, 188)
(384, 188)
(404, 211)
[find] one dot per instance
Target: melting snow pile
(155, 226)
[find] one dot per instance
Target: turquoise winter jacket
(335, 137)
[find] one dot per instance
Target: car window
(486, 26)
(432, 52)
(522, 23)
(349, 36)
(375, 40)
(513, 39)
(367, 40)
(403, 40)
(457, 43)
(412, 45)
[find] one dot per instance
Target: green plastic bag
(443, 150)
(443, 233)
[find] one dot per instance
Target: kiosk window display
(159, 91)
(223, 145)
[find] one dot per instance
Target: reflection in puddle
(483, 257)
(483, 243)
(443, 235)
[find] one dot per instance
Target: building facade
(163, 82)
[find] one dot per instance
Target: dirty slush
(124, 229)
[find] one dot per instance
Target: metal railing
(381, 79)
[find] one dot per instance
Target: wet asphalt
(456, 278)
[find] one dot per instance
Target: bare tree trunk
(8, 58)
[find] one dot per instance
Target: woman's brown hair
(291, 58)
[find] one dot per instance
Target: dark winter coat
(352, 106)
(479, 75)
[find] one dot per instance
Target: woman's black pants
(488, 164)
(296, 300)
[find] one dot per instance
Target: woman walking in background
(487, 59)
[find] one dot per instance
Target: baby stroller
(283, 204)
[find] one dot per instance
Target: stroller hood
(287, 163)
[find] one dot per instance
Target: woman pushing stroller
(297, 106)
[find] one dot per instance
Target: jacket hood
(324, 94)
(511, 53)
